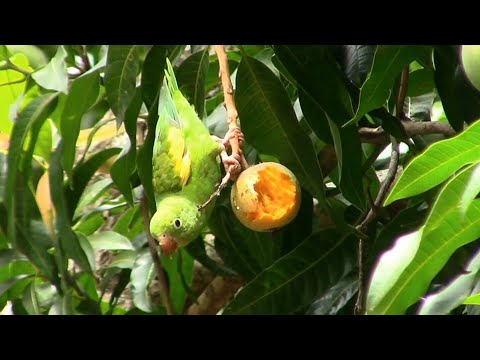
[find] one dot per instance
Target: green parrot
(186, 169)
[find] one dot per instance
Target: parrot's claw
(231, 164)
(231, 133)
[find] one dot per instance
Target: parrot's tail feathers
(170, 76)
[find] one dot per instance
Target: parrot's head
(176, 222)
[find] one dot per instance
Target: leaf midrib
(428, 257)
(285, 135)
(324, 255)
(450, 160)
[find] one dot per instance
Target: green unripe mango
(471, 63)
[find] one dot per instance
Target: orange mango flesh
(276, 196)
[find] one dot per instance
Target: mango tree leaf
(153, 72)
(91, 194)
(299, 277)
(68, 240)
(124, 166)
(191, 76)
(124, 260)
(388, 63)
(357, 62)
(196, 249)
(471, 190)
(454, 293)
(316, 72)
(82, 173)
(83, 94)
(54, 75)
(32, 116)
(179, 268)
(472, 300)
(269, 123)
(123, 66)
(315, 116)
(421, 82)
(88, 250)
(336, 297)
(437, 163)
(403, 273)
(143, 272)
(110, 240)
(460, 100)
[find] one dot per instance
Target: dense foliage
(383, 140)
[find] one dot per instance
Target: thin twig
(372, 214)
(156, 259)
(412, 128)
(14, 82)
(85, 60)
(402, 92)
(11, 66)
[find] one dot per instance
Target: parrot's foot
(231, 164)
(231, 133)
(217, 192)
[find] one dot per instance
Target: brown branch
(215, 296)
(156, 259)
(372, 214)
(232, 113)
(412, 128)
(402, 92)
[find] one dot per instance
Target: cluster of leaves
(295, 103)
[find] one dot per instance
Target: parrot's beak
(168, 244)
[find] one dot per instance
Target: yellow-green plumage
(185, 165)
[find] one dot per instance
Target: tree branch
(162, 280)
(11, 66)
(215, 296)
(380, 137)
(372, 214)
(402, 92)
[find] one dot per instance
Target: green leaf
(3, 176)
(82, 174)
(315, 117)
(90, 223)
(54, 75)
(32, 116)
(123, 66)
(471, 190)
(33, 238)
(143, 272)
(270, 125)
(244, 250)
(43, 145)
(153, 73)
(110, 240)
(357, 62)
(7, 285)
(68, 240)
(4, 53)
(83, 94)
(91, 194)
(124, 166)
(179, 268)
(196, 249)
(437, 163)
(421, 82)
(403, 273)
(460, 101)
(387, 65)
(29, 299)
(472, 300)
(336, 297)
(191, 76)
(130, 224)
(88, 249)
(324, 91)
(145, 154)
(455, 293)
(299, 277)
(10, 93)
(124, 260)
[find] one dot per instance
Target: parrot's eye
(177, 223)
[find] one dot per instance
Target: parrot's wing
(171, 160)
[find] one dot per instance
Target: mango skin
(266, 197)
(471, 63)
